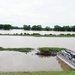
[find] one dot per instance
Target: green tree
(57, 28)
(27, 27)
(36, 27)
(16, 27)
(73, 28)
(66, 28)
(47, 28)
(1, 26)
(7, 26)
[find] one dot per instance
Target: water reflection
(63, 65)
(12, 61)
(41, 56)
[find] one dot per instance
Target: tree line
(5, 26)
(38, 27)
(8, 27)
(47, 28)
(64, 28)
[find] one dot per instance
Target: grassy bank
(16, 49)
(39, 35)
(49, 50)
(43, 50)
(42, 73)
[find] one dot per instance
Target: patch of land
(49, 51)
(17, 49)
(42, 73)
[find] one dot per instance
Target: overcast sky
(43, 12)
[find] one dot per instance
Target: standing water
(12, 61)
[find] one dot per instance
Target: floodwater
(30, 32)
(35, 42)
(13, 61)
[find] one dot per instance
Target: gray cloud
(44, 12)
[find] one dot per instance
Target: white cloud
(44, 12)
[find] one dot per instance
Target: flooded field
(30, 32)
(12, 61)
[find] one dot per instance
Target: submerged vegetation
(49, 51)
(17, 49)
(40, 35)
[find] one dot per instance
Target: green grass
(51, 49)
(42, 73)
(17, 49)
(43, 49)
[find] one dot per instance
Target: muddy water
(12, 61)
(63, 65)
(35, 42)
